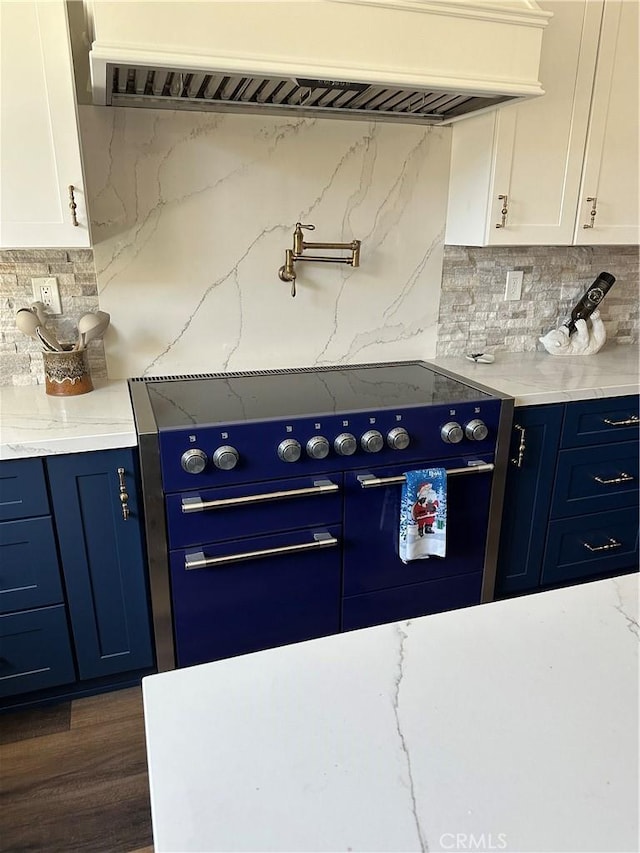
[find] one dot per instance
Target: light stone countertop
(507, 726)
(33, 423)
(534, 378)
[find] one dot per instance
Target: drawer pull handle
(124, 497)
(369, 481)
(522, 447)
(504, 211)
(622, 478)
(611, 544)
(632, 420)
(320, 487)
(197, 560)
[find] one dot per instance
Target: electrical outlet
(513, 289)
(45, 290)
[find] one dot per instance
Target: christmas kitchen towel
(423, 515)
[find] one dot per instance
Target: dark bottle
(591, 299)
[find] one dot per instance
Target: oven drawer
(372, 518)
(591, 545)
(596, 479)
(265, 591)
(409, 602)
(233, 512)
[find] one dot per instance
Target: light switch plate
(513, 288)
(45, 290)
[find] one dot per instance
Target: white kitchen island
(507, 726)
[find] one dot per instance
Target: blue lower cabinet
(103, 560)
(407, 602)
(29, 572)
(264, 592)
(35, 652)
(23, 490)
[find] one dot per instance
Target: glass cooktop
(322, 391)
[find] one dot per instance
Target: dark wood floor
(73, 777)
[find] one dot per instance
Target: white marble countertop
(35, 424)
(534, 378)
(514, 724)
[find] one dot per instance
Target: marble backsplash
(474, 316)
(191, 216)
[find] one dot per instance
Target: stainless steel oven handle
(197, 559)
(368, 481)
(320, 487)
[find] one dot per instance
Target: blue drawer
(34, 651)
(29, 572)
(23, 491)
(596, 479)
(217, 524)
(591, 545)
(409, 602)
(600, 421)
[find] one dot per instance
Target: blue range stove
(272, 501)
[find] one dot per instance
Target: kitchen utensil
(90, 327)
(48, 340)
(27, 322)
(480, 357)
(40, 310)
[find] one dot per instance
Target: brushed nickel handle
(72, 204)
(198, 560)
(504, 212)
(621, 478)
(632, 420)
(124, 497)
(593, 201)
(369, 481)
(608, 547)
(320, 487)
(522, 447)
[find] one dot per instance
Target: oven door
(378, 587)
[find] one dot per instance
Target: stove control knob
(345, 444)
(289, 450)
(226, 457)
(194, 461)
(372, 441)
(452, 433)
(318, 447)
(476, 430)
(398, 438)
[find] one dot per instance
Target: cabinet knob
(124, 497)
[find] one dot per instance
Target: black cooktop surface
(265, 396)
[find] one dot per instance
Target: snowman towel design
(423, 515)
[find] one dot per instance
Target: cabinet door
(527, 502)
(102, 560)
(38, 130)
(531, 152)
(611, 162)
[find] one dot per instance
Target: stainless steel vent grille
(176, 89)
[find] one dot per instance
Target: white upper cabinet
(38, 130)
(610, 173)
(545, 157)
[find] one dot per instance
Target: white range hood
(417, 61)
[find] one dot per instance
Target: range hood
(412, 61)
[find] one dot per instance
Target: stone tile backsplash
(21, 357)
(474, 317)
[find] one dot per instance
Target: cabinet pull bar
(632, 420)
(197, 560)
(72, 204)
(320, 487)
(124, 497)
(621, 478)
(608, 547)
(523, 446)
(369, 481)
(593, 201)
(503, 212)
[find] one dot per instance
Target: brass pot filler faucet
(288, 273)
